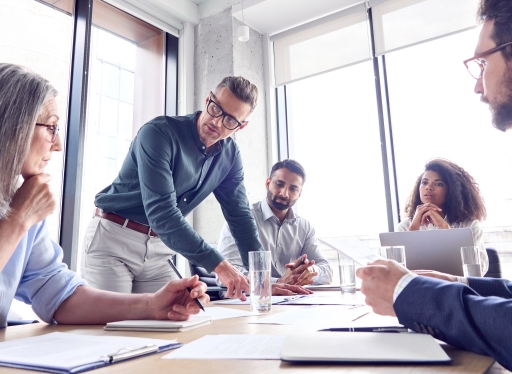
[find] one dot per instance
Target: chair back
(494, 264)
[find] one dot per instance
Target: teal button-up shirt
(167, 173)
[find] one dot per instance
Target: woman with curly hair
(445, 196)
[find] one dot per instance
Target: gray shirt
(167, 173)
(287, 241)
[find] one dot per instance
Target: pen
(368, 329)
(188, 288)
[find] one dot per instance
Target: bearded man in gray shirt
(296, 258)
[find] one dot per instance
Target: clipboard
(69, 353)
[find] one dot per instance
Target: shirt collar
(268, 213)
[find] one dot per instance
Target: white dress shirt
(287, 242)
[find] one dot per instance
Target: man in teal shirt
(173, 164)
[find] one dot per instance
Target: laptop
(431, 249)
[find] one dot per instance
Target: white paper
(324, 316)
(231, 347)
(275, 300)
(332, 298)
(65, 350)
(352, 248)
(216, 313)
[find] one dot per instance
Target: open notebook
(375, 347)
(167, 326)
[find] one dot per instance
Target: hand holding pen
(188, 288)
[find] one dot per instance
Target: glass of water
(470, 261)
(394, 252)
(259, 277)
(347, 275)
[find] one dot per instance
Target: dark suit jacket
(476, 318)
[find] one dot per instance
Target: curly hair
(463, 199)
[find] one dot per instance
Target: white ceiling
(265, 16)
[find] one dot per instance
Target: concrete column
(218, 53)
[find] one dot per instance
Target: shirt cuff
(463, 280)
(402, 283)
(273, 280)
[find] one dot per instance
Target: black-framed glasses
(216, 111)
(475, 66)
(53, 129)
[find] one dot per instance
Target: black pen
(188, 288)
(368, 329)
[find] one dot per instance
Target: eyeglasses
(475, 66)
(216, 111)
(53, 129)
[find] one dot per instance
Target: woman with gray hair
(31, 267)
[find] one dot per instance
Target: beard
(502, 113)
(272, 200)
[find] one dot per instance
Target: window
(126, 89)
(334, 134)
(435, 113)
(40, 37)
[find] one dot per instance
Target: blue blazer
(477, 318)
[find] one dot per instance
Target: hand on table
(299, 272)
(282, 289)
(234, 280)
(379, 280)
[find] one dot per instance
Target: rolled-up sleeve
(46, 281)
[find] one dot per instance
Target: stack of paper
(150, 325)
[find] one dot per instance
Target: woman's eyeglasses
(53, 129)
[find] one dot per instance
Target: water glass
(347, 275)
(470, 261)
(394, 252)
(259, 277)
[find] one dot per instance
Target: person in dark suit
(469, 313)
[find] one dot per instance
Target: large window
(434, 112)
(40, 37)
(334, 134)
(126, 89)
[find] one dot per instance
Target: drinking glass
(259, 277)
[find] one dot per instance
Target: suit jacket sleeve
(460, 315)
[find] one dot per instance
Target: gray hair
(22, 95)
(244, 90)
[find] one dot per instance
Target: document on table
(275, 300)
(59, 352)
(333, 298)
(352, 248)
(231, 347)
(216, 313)
(324, 316)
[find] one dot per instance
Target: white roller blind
(329, 43)
(401, 23)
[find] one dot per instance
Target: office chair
(214, 291)
(494, 264)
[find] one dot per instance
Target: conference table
(463, 361)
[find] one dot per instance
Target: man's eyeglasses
(475, 66)
(216, 111)
(53, 129)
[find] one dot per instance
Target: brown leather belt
(139, 227)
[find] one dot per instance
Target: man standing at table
(471, 313)
(173, 164)
(296, 258)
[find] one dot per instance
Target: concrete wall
(218, 53)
